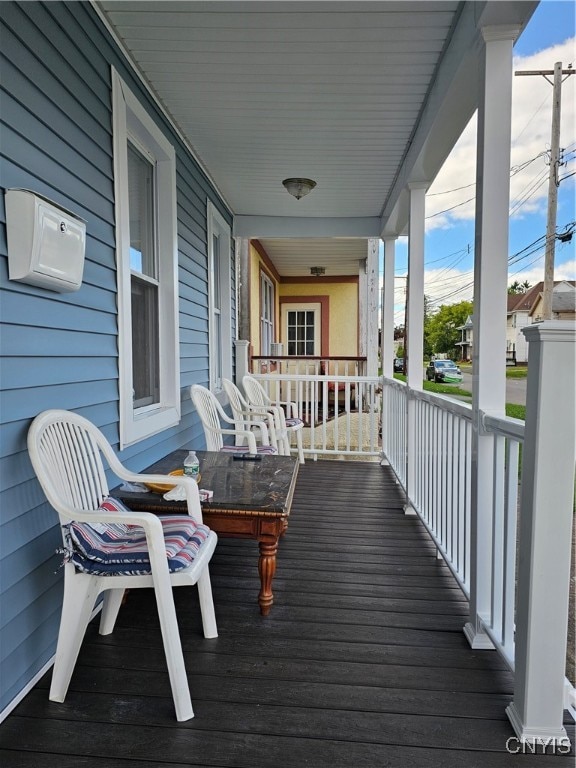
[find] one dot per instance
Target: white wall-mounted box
(46, 243)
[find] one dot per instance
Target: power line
(446, 210)
(514, 259)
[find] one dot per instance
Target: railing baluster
(496, 586)
(510, 526)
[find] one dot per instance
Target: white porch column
(545, 533)
(414, 331)
(371, 325)
(242, 363)
(387, 340)
(243, 288)
(490, 281)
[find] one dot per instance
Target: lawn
(516, 411)
(512, 410)
(438, 389)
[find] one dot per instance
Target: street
(515, 388)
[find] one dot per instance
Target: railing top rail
(504, 425)
(311, 358)
(394, 383)
(317, 377)
(445, 402)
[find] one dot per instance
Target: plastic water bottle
(192, 465)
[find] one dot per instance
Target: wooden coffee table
(252, 500)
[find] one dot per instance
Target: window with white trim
(147, 270)
(302, 331)
(266, 314)
(219, 298)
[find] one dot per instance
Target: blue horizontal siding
(19, 342)
(33, 587)
(60, 350)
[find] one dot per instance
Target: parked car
(398, 365)
(443, 372)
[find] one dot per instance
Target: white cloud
(531, 126)
(451, 286)
(565, 271)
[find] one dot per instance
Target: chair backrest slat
(238, 404)
(254, 391)
(65, 452)
(208, 410)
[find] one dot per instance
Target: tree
(516, 287)
(428, 314)
(441, 334)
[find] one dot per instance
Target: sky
(449, 246)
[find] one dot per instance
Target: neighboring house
(466, 340)
(301, 315)
(563, 302)
(521, 313)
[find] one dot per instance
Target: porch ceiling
(294, 257)
(359, 96)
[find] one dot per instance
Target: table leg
(266, 569)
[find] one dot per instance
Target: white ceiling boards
(361, 97)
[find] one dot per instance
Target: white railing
(438, 489)
(309, 365)
(500, 622)
(341, 413)
(395, 426)
(441, 451)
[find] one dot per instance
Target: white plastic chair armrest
(190, 485)
(242, 433)
(291, 408)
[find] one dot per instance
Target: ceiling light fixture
(317, 271)
(299, 187)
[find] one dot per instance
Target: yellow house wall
(256, 266)
(343, 322)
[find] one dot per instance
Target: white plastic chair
(287, 422)
(212, 416)
(67, 453)
(248, 416)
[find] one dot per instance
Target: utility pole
(553, 181)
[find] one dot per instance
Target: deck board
(361, 662)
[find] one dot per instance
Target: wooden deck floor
(361, 663)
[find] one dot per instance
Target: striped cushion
(111, 549)
(294, 422)
(266, 449)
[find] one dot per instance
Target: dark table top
(263, 486)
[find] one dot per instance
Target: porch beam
(450, 103)
(545, 533)
(489, 321)
(292, 226)
(414, 331)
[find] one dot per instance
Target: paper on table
(134, 488)
(178, 493)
